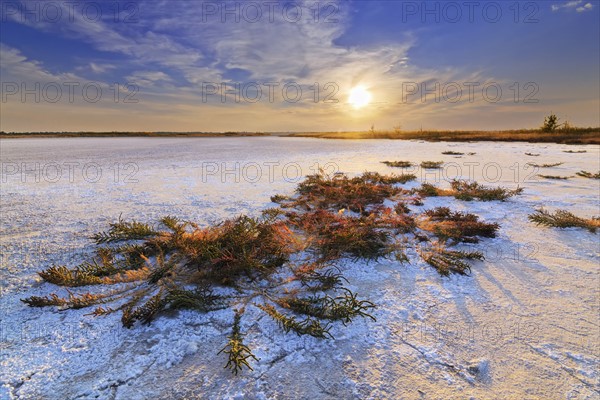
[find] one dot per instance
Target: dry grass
(572, 136)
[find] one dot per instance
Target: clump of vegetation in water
(452, 153)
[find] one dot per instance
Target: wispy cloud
(98, 68)
(172, 43)
(16, 66)
(173, 48)
(148, 78)
(577, 5)
(586, 7)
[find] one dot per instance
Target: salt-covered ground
(524, 325)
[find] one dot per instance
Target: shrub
(458, 226)
(431, 164)
(448, 261)
(398, 164)
(564, 219)
(590, 175)
(468, 191)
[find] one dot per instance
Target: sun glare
(359, 97)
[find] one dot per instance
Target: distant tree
(550, 123)
(398, 128)
(372, 130)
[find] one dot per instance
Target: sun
(359, 97)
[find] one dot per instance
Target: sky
(281, 66)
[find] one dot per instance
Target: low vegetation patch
(432, 164)
(564, 219)
(398, 164)
(553, 177)
(457, 226)
(550, 165)
(532, 154)
(468, 191)
(575, 151)
(452, 153)
(590, 175)
(450, 261)
(285, 263)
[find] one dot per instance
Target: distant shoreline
(572, 136)
(17, 135)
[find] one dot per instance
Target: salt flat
(525, 324)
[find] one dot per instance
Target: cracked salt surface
(524, 325)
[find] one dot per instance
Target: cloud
(100, 68)
(148, 78)
(174, 49)
(577, 5)
(17, 67)
(586, 7)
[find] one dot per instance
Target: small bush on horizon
(550, 123)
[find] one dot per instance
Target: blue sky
(291, 65)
